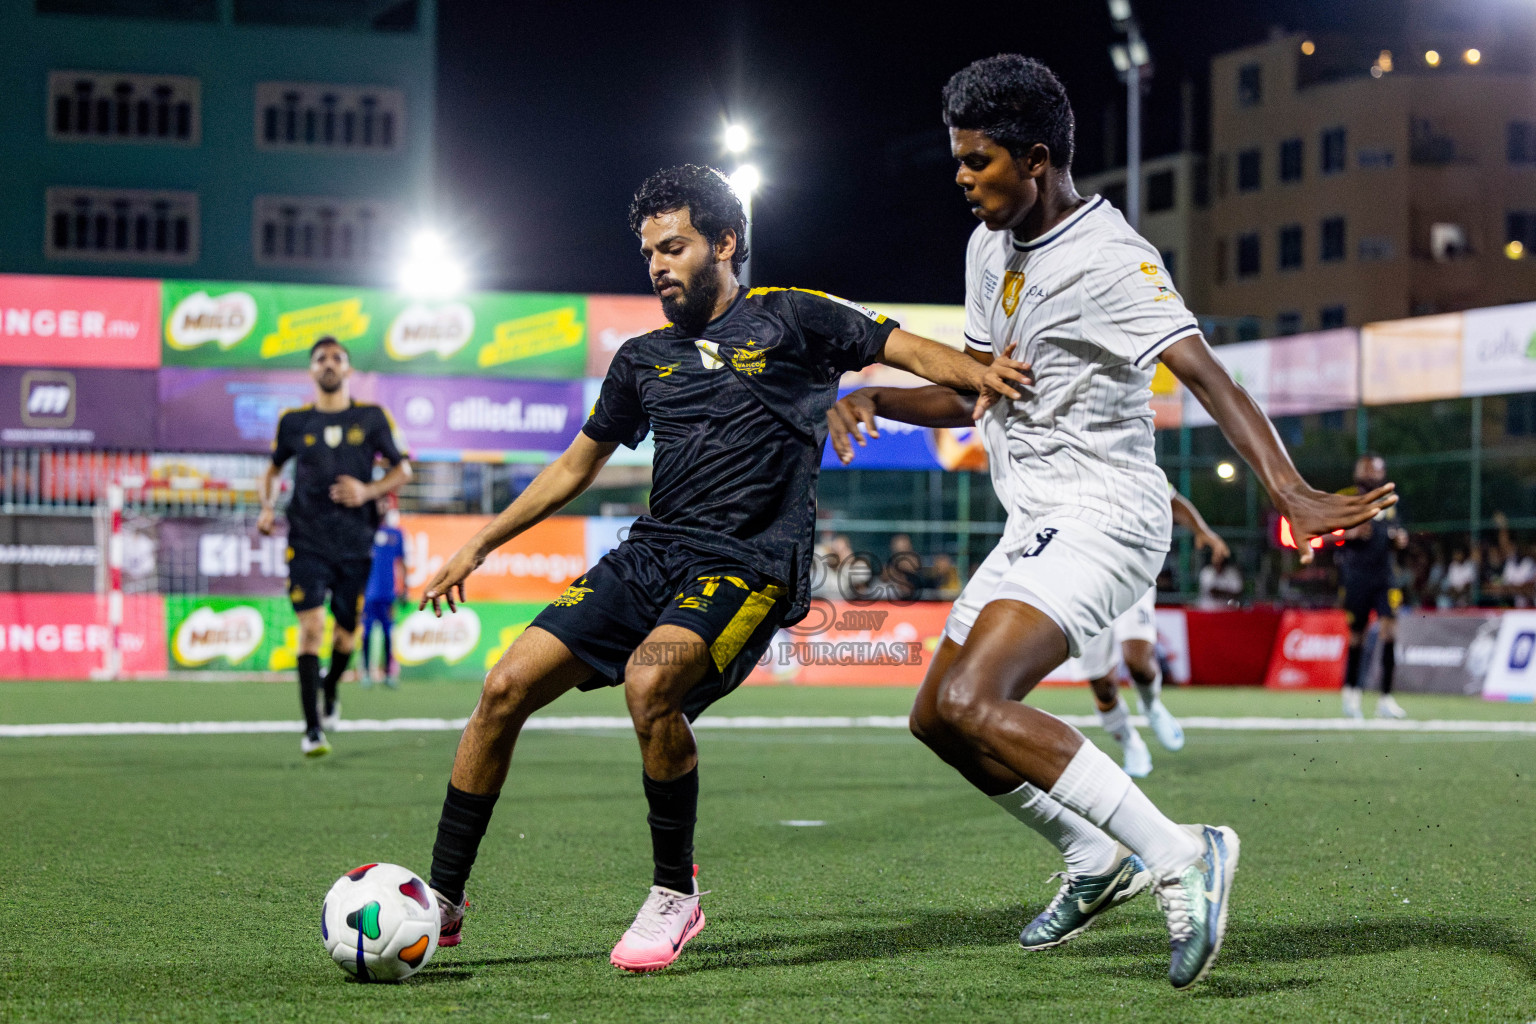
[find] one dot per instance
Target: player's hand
(349, 491)
(1002, 379)
(849, 420)
(264, 522)
(450, 577)
(1314, 513)
(1219, 550)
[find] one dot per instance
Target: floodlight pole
(1133, 142)
(745, 277)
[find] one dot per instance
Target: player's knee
(961, 707)
(505, 689)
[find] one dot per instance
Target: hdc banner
(213, 323)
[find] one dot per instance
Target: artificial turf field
(1384, 876)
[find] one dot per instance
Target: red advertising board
(841, 644)
(64, 636)
(1230, 647)
(614, 319)
(79, 321)
(1309, 651)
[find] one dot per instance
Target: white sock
(1117, 721)
(1098, 789)
(1087, 850)
(1150, 692)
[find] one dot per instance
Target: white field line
(593, 723)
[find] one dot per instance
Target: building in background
(233, 139)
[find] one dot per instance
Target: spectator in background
(1517, 581)
(944, 581)
(1456, 584)
(903, 575)
(386, 585)
(1221, 584)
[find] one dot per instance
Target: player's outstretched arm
(990, 380)
(853, 417)
(1312, 512)
(1186, 515)
(550, 491)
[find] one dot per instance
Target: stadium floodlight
(1133, 62)
(746, 180)
(429, 270)
(737, 139)
(1226, 471)
(1432, 58)
(1472, 56)
(1121, 57)
(1120, 12)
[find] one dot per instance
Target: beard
(330, 383)
(695, 307)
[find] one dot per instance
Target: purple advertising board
(227, 410)
(79, 408)
(446, 417)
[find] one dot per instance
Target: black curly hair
(1016, 101)
(713, 206)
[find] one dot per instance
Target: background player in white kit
(1133, 636)
(1063, 283)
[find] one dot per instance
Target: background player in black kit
(331, 520)
(1366, 585)
(736, 390)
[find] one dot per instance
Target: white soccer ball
(379, 923)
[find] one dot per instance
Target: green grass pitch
(178, 878)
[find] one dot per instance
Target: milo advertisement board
(488, 334)
(233, 634)
(462, 644)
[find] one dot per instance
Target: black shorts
(1359, 600)
(311, 576)
(642, 584)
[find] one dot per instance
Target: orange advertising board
(843, 644)
(536, 566)
(1414, 360)
(614, 319)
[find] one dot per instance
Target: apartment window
(1330, 317)
(1114, 194)
(1290, 160)
(1333, 154)
(1221, 175)
(1202, 184)
(357, 15)
(1248, 261)
(1520, 142)
(1520, 226)
(1250, 85)
(329, 118)
(164, 10)
(1287, 324)
(1160, 190)
(1249, 163)
(1290, 247)
(97, 106)
(121, 225)
(1332, 249)
(320, 231)
(1376, 249)
(1170, 260)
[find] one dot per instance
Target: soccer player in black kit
(736, 390)
(1366, 585)
(331, 520)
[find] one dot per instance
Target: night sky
(550, 114)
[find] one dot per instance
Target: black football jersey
(1367, 561)
(328, 445)
(739, 415)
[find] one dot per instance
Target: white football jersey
(1090, 307)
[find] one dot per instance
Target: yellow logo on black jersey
(355, 434)
(1013, 288)
(748, 360)
(309, 439)
(573, 594)
(665, 371)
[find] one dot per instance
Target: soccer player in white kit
(1062, 283)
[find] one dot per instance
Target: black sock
(1388, 664)
(674, 810)
(459, 831)
(339, 662)
(309, 688)
(1352, 667)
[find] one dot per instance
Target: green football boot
(1195, 903)
(1082, 899)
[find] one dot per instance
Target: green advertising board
(523, 335)
(462, 645)
(246, 634)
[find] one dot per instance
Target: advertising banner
(520, 335)
(1317, 372)
(1414, 360)
(65, 636)
(462, 644)
(842, 644)
(1230, 647)
(221, 556)
(248, 634)
(457, 417)
(1442, 652)
(945, 324)
(1512, 671)
(904, 446)
(228, 410)
(48, 554)
(1309, 651)
(614, 319)
(1248, 363)
(1498, 350)
(535, 567)
(76, 408)
(79, 321)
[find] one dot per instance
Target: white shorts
(1138, 622)
(1079, 576)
